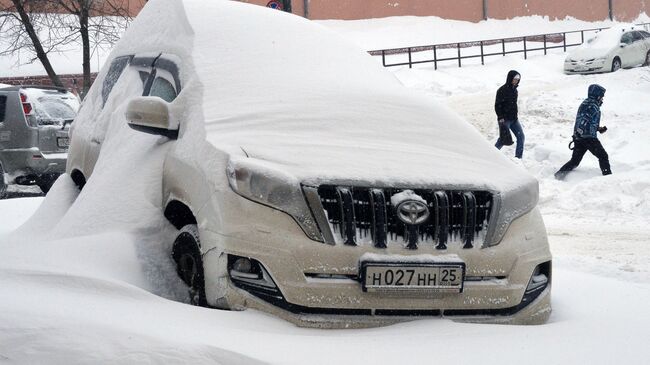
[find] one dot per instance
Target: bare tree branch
(39, 28)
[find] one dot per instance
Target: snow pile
(406, 31)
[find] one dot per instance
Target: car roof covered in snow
(285, 90)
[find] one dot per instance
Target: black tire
(3, 184)
(616, 64)
(186, 253)
(46, 181)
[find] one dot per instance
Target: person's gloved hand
(501, 121)
(602, 129)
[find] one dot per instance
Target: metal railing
(548, 41)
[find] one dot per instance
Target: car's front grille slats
(469, 218)
(346, 206)
(442, 219)
(379, 219)
(364, 215)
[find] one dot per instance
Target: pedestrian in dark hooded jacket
(584, 133)
(505, 105)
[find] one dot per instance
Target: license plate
(63, 141)
(434, 277)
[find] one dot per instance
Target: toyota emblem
(412, 212)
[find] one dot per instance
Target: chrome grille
(364, 215)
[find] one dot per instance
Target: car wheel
(189, 265)
(46, 181)
(616, 64)
(3, 184)
(647, 59)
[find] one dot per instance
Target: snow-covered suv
(34, 122)
(304, 180)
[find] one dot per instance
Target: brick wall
(72, 82)
(470, 10)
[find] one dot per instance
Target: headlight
(265, 184)
(511, 205)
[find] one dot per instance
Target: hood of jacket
(595, 91)
(511, 75)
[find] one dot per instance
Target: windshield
(604, 39)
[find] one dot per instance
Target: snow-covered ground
(109, 296)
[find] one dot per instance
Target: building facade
(469, 10)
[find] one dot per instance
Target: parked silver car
(304, 180)
(34, 123)
(609, 50)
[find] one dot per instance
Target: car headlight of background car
(277, 189)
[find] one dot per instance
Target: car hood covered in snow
(296, 95)
(587, 53)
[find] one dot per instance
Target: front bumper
(32, 162)
(586, 68)
(317, 285)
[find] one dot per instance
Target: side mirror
(151, 114)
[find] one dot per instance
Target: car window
(143, 77)
(627, 38)
(637, 36)
(3, 106)
(53, 111)
(51, 106)
(163, 89)
(117, 66)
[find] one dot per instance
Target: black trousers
(592, 145)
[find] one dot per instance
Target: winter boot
(560, 175)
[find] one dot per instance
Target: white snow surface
(86, 277)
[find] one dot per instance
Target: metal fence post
(564, 41)
(383, 57)
(482, 61)
(544, 44)
(582, 37)
(525, 54)
(410, 64)
(503, 46)
(458, 48)
(435, 58)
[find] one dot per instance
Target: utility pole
(611, 12)
(306, 8)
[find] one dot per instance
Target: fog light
(242, 265)
(250, 271)
(539, 280)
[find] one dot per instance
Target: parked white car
(304, 180)
(609, 50)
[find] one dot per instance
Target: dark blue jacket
(588, 118)
(505, 103)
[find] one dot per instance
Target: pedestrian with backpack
(584, 133)
(505, 106)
